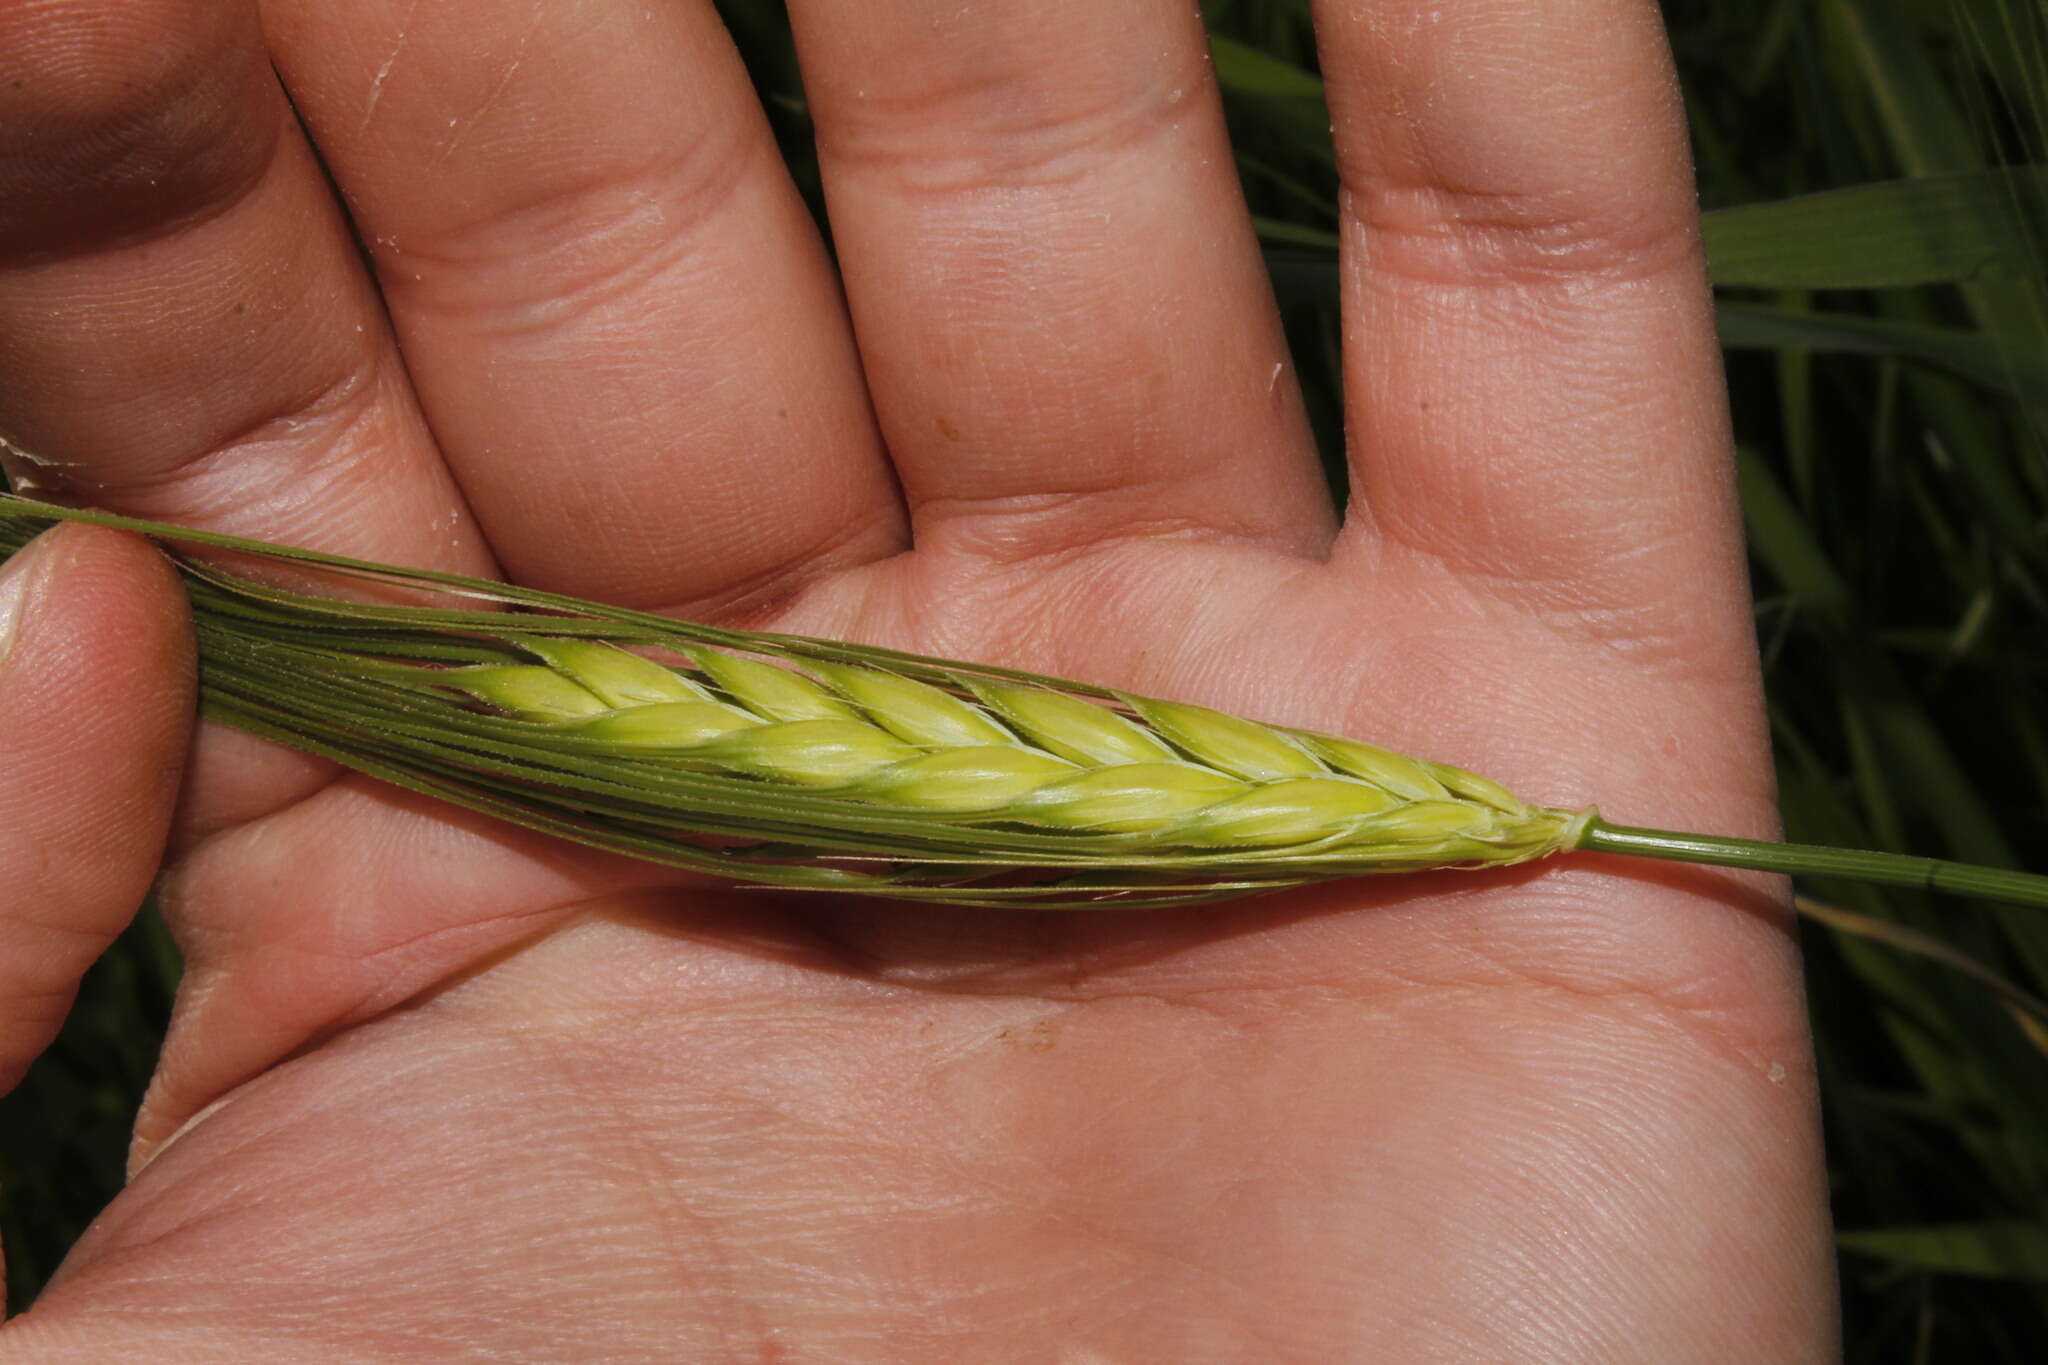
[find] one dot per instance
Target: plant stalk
(1815, 860)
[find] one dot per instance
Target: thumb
(96, 696)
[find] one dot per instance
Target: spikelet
(789, 762)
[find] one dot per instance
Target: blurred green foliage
(1875, 175)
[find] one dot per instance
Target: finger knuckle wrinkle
(1050, 526)
(980, 134)
(1723, 999)
(123, 121)
(290, 450)
(1439, 235)
(572, 240)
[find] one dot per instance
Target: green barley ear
(913, 711)
(1394, 773)
(771, 692)
(1079, 731)
(1473, 787)
(662, 727)
(527, 690)
(614, 676)
(978, 778)
(1257, 753)
(806, 753)
(1128, 798)
(1282, 813)
(814, 765)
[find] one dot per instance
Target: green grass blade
(1920, 117)
(2011, 1249)
(1942, 229)
(2014, 373)
(1247, 71)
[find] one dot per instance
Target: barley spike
(783, 761)
(1145, 781)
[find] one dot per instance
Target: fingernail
(17, 587)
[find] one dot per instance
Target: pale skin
(436, 1088)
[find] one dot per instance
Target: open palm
(438, 1087)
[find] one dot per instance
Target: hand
(437, 1087)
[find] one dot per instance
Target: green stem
(1814, 860)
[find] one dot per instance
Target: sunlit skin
(435, 1088)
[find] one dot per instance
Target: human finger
(185, 328)
(1063, 315)
(96, 681)
(615, 306)
(1532, 379)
